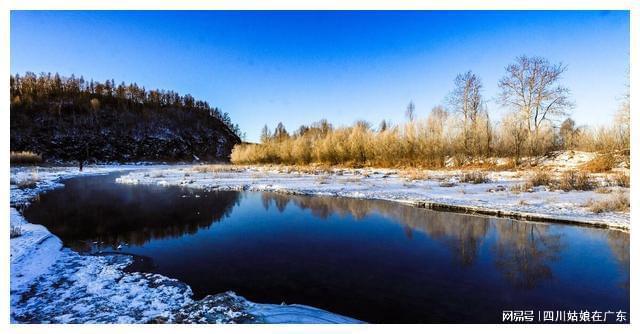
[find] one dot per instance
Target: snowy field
(437, 189)
(53, 284)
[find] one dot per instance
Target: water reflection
(619, 245)
(524, 251)
(111, 214)
(377, 261)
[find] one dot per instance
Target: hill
(70, 119)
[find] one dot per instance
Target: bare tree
(280, 132)
(568, 133)
(531, 86)
(265, 135)
(466, 97)
(514, 133)
(622, 121)
(410, 113)
(436, 120)
(384, 125)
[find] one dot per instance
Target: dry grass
(540, 178)
(438, 141)
(15, 231)
(414, 174)
(603, 190)
(574, 180)
(420, 143)
(600, 164)
(24, 158)
(315, 169)
(217, 168)
(521, 187)
(446, 184)
(508, 165)
(25, 183)
(620, 180)
(618, 202)
(323, 179)
(475, 177)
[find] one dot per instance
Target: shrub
(600, 164)
(474, 177)
(15, 231)
(24, 158)
(573, 180)
(618, 202)
(414, 175)
(216, 168)
(28, 182)
(540, 178)
(521, 187)
(620, 180)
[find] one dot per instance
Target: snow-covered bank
(52, 284)
(438, 189)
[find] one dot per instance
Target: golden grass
(415, 144)
(540, 178)
(475, 177)
(618, 202)
(620, 180)
(600, 164)
(521, 187)
(574, 180)
(24, 158)
(413, 174)
(219, 168)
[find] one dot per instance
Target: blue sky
(298, 67)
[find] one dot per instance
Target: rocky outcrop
(112, 135)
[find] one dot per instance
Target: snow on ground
(436, 189)
(28, 182)
(563, 160)
(225, 306)
(52, 284)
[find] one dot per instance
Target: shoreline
(538, 205)
(33, 255)
(63, 286)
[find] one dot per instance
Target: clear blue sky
(298, 67)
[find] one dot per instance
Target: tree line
(58, 94)
(72, 119)
(537, 122)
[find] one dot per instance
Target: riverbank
(53, 284)
(501, 193)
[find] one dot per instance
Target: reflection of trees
(463, 234)
(619, 244)
(114, 214)
(524, 252)
(279, 201)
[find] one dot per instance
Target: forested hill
(70, 119)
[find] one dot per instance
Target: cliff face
(62, 133)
